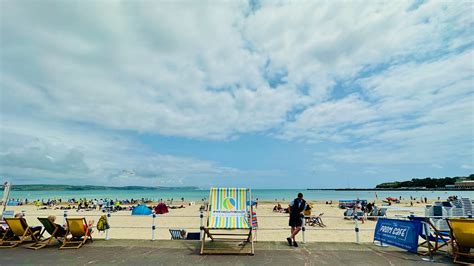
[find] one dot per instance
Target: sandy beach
(272, 226)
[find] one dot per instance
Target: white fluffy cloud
(33, 151)
(140, 68)
(387, 82)
(413, 113)
(326, 121)
(204, 75)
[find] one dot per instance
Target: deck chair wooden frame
(434, 235)
(80, 232)
(462, 235)
(54, 232)
(227, 233)
(21, 233)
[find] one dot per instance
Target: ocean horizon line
(33, 187)
(65, 187)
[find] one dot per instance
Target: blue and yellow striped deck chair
(229, 215)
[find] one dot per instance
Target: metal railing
(356, 229)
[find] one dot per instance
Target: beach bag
(103, 224)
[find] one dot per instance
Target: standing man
(297, 207)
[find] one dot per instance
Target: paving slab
(146, 252)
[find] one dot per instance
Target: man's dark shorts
(295, 221)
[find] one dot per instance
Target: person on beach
(61, 229)
(296, 209)
(33, 228)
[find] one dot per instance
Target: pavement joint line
(270, 245)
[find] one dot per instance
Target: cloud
(411, 113)
(316, 44)
(324, 121)
(381, 83)
(467, 166)
(200, 80)
(46, 157)
(323, 168)
(46, 152)
(196, 81)
(371, 171)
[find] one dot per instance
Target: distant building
(414, 188)
(464, 184)
(450, 186)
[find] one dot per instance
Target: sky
(261, 94)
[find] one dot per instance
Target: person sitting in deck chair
(80, 232)
(278, 208)
(18, 232)
(34, 229)
(61, 229)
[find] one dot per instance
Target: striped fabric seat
(229, 208)
(176, 234)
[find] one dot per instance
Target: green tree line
(425, 182)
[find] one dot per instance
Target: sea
(194, 194)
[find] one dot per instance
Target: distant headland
(428, 183)
(43, 187)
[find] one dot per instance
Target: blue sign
(399, 233)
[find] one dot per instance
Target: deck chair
(349, 214)
(439, 238)
(3, 224)
(373, 215)
(229, 215)
(7, 214)
(80, 232)
(54, 233)
(254, 225)
(181, 234)
(318, 220)
(176, 234)
(18, 232)
(359, 215)
(462, 234)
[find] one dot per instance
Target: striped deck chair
(439, 238)
(3, 224)
(176, 234)
(254, 225)
(228, 215)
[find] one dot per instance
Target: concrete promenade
(146, 252)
